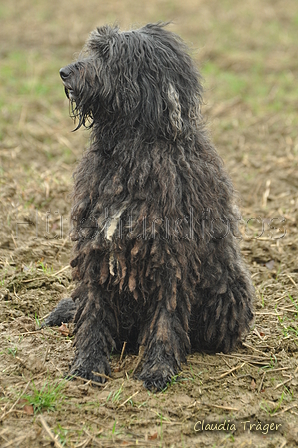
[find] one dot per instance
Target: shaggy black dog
(156, 259)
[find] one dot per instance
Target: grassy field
(248, 55)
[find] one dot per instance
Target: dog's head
(140, 78)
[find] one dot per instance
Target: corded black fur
(156, 257)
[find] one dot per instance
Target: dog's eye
(105, 49)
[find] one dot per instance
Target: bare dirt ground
(248, 54)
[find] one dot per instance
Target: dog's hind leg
(64, 312)
(95, 327)
(223, 313)
(166, 346)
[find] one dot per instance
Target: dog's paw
(97, 371)
(156, 376)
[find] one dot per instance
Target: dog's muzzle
(68, 92)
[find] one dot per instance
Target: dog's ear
(174, 108)
(99, 40)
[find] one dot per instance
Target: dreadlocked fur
(156, 257)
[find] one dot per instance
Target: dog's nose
(64, 73)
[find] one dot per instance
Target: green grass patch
(228, 83)
(286, 396)
(46, 398)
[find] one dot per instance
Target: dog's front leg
(166, 349)
(95, 327)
